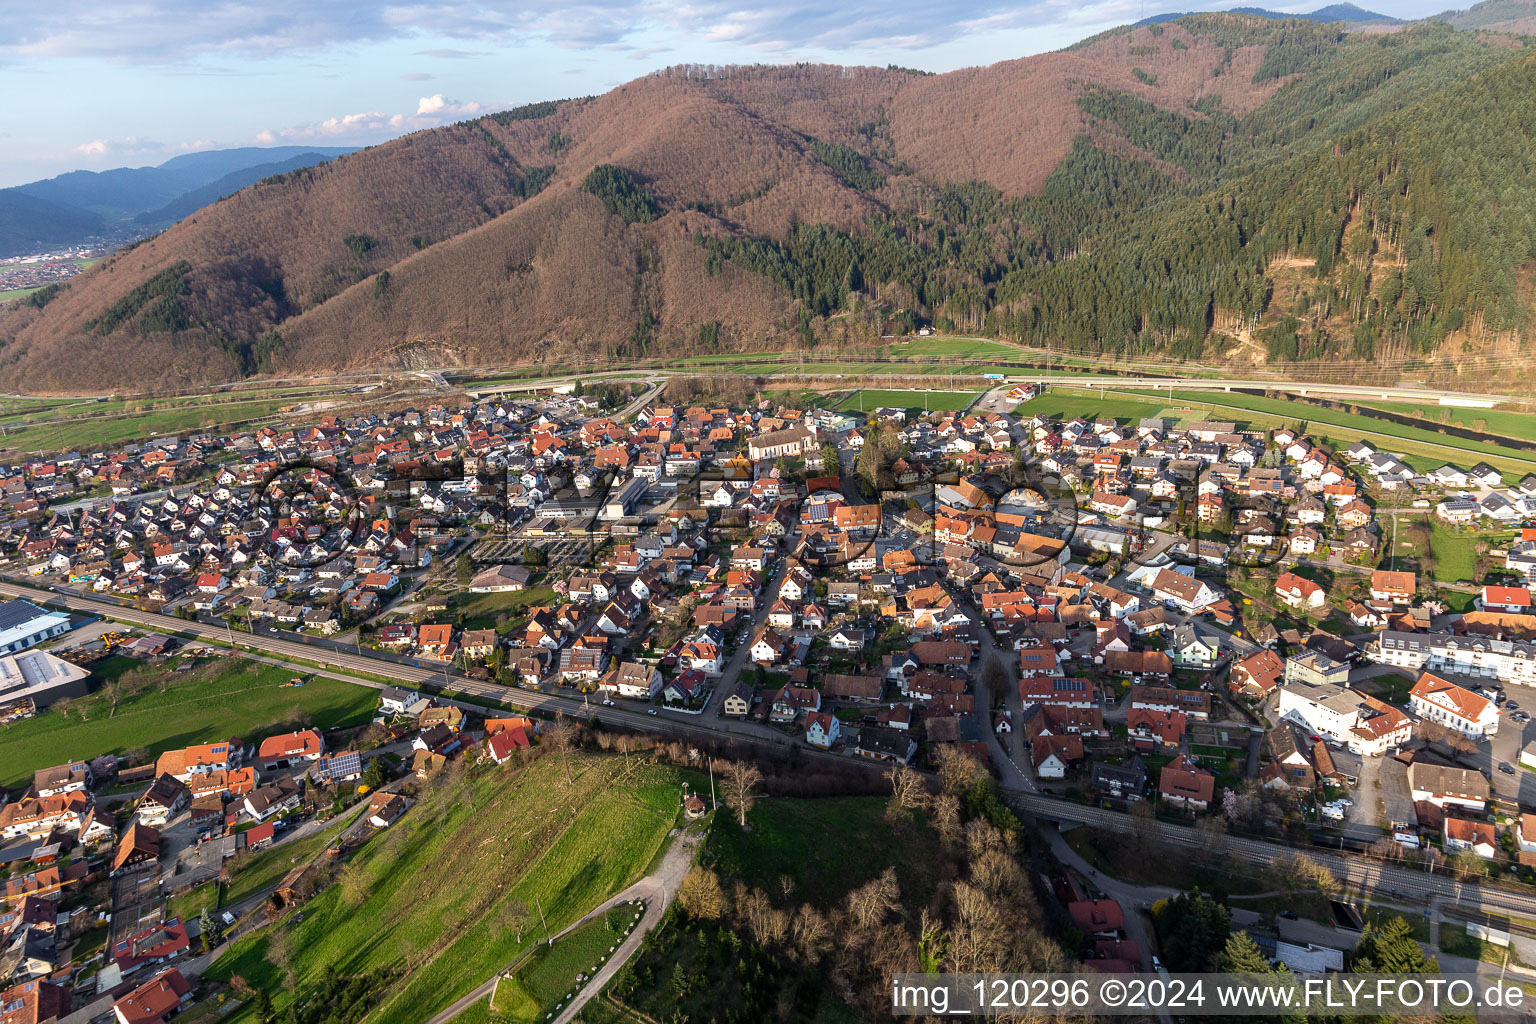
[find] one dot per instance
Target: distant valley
(80, 207)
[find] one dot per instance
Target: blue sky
(95, 85)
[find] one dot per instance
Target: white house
(1443, 702)
(821, 729)
(634, 680)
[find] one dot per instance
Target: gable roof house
(289, 750)
(1438, 700)
(1186, 784)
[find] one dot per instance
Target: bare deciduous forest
(1221, 187)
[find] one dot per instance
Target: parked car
(1506, 768)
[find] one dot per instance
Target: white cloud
(452, 54)
(376, 125)
(438, 106)
(197, 144)
(125, 148)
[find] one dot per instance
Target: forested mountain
(1496, 15)
(28, 223)
(1333, 12)
(1227, 187)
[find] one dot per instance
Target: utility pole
(711, 783)
(542, 920)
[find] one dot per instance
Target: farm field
(441, 896)
(933, 401)
(221, 698)
(86, 432)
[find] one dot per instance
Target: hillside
(452, 892)
(195, 199)
(772, 927)
(1496, 16)
(28, 223)
(1230, 187)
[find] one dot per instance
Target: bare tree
(1143, 825)
(512, 916)
(279, 952)
(700, 893)
(871, 902)
(946, 817)
(560, 738)
(114, 691)
(741, 781)
(1466, 865)
(957, 771)
(810, 932)
(1459, 742)
(907, 792)
(995, 676)
(1300, 872)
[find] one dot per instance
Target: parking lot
(1515, 783)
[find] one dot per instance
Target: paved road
(655, 889)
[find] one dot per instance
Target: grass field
(549, 975)
(836, 862)
(91, 432)
(1455, 553)
(222, 698)
(1504, 422)
(932, 401)
(1455, 940)
(480, 610)
(189, 905)
(440, 895)
(1452, 552)
(961, 348)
